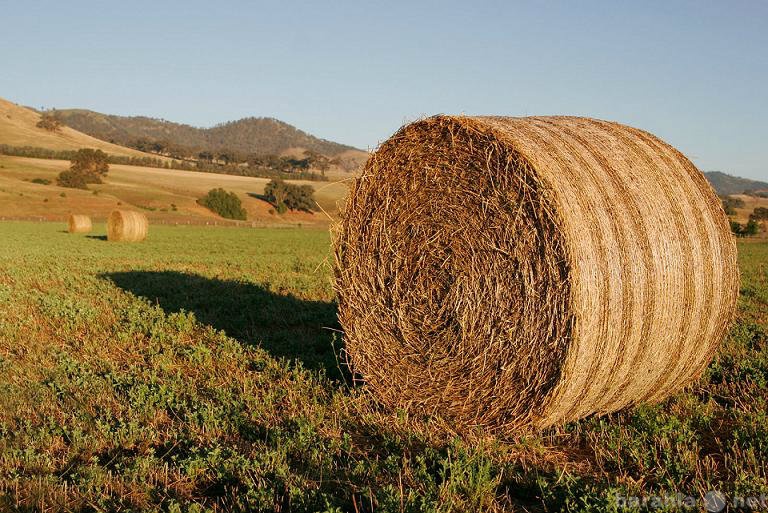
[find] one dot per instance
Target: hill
(18, 128)
(262, 136)
(28, 190)
(726, 184)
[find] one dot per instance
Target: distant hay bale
(517, 273)
(79, 224)
(127, 226)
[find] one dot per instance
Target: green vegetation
(90, 162)
(44, 153)
(759, 214)
(255, 166)
(50, 121)
(41, 181)
(249, 136)
(224, 203)
(730, 204)
(147, 377)
(750, 229)
(285, 196)
(88, 166)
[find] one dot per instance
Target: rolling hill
(28, 190)
(726, 184)
(264, 136)
(17, 128)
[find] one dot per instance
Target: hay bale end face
(516, 273)
(79, 224)
(127, 226)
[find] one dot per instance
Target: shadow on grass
(96, 237)
(285, 326)
(262, 197)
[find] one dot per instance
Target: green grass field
(198, 371)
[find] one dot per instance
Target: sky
(693, 73)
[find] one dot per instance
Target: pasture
(163, 194)
(202, 370)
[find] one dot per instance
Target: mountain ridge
(18, 127)
(249, 135)
(725, 184)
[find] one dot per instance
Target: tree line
(270, 166)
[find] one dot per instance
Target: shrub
(76, 179)
(41, 181)
(751, 228)
(285, 196)
(745, 230)
(72, 179)
(224, 203)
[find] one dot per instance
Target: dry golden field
(17, 128)
(155, 191)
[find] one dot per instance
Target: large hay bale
(127, 226)
(79, 224)
(522, 272)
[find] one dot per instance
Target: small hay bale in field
(127, 226)
(516, 273)
(79, 224)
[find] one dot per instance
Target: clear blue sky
(694, 73)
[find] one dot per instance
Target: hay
(79, 224)
(522, 272)
(127, 226)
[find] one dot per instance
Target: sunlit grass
(200, 369)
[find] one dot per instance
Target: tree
(759, 214)
(72, 179)
(90, 162)
(224, 203)
(227, 157)
(751, 228)
(50, 121)
(285, 196)
(730, 204)
(745, 230)
(276, 191)
(87, 166)
(318, 161)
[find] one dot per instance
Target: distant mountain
(263, 136)
(726, 184)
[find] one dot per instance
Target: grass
(198, 372)
(17, 128)
(151, 189)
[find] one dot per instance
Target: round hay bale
(79, 224)
(127, 226)
(516, 273)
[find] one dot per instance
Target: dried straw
(522, 272)
(127, 226)
(79, 224)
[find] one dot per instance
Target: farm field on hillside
(200, 370)
(156, 191)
